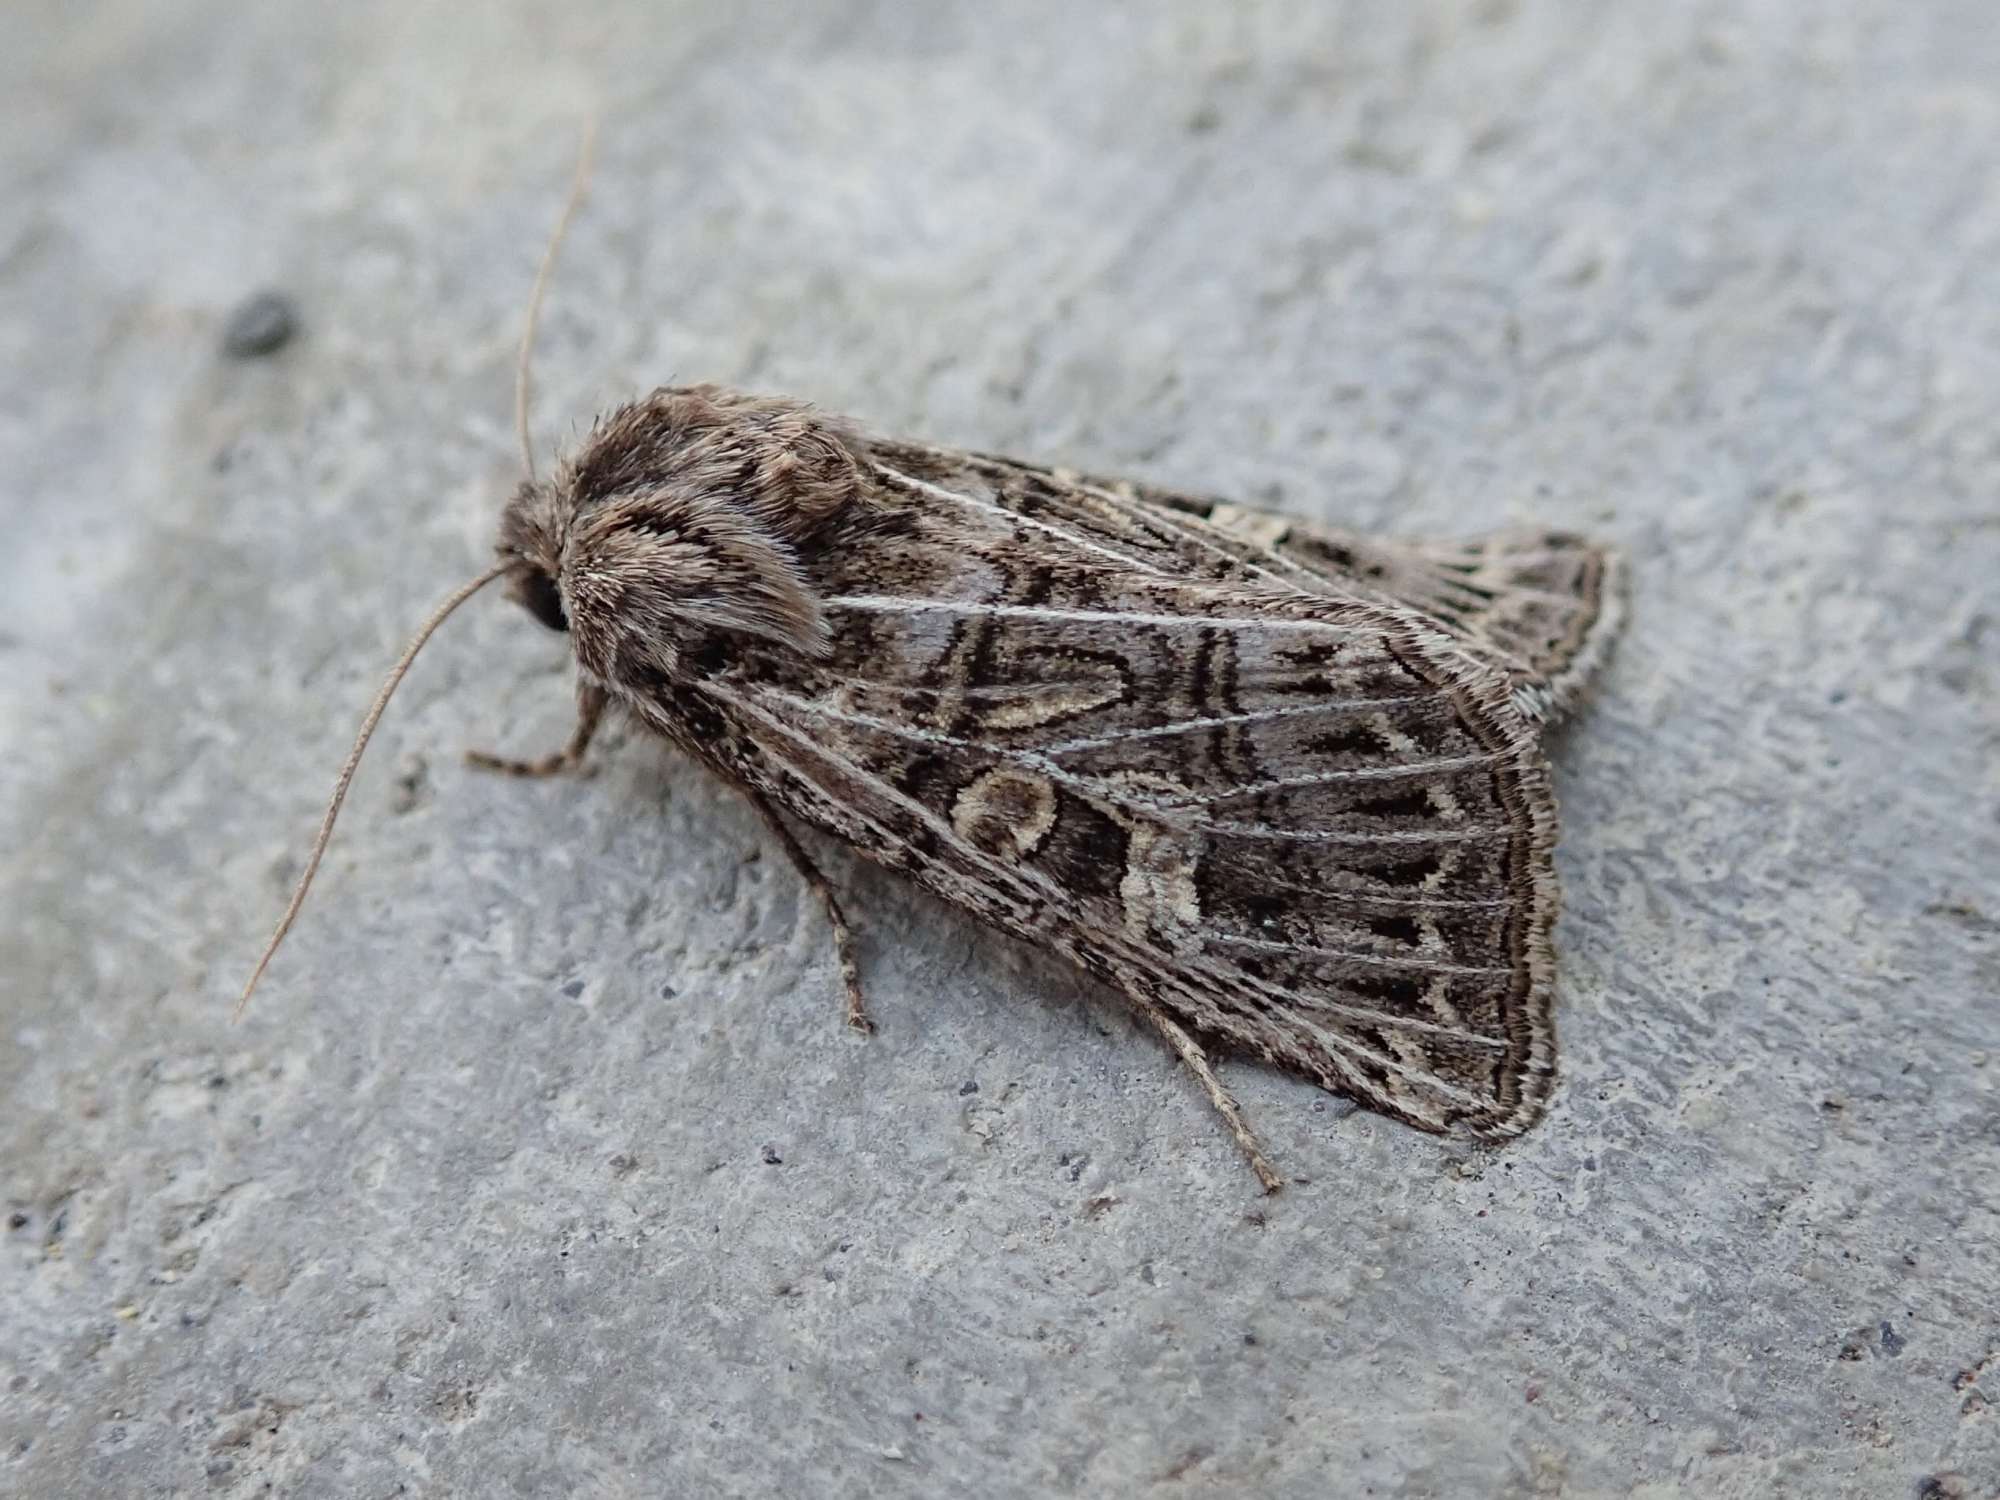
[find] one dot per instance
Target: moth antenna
(424, 632)
(522, 361)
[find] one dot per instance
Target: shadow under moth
(1280, 785)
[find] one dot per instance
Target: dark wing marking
(1545, 606)
(1542, 606)
(1305, 823)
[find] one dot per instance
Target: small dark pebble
(1892, 1341)
(771, 1157)
(967, 1087)
(263, 325)
(573, 988)
(17, 1221)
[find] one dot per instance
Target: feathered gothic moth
(1279, 784)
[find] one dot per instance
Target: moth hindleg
(843, 935)
(590, 701)
(1191, 1053)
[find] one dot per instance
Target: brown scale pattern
(1281, 784)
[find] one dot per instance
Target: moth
(1279, 785)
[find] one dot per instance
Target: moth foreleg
(843, 935)
(589, 711)
(1225, 1103)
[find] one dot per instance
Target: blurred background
(541, 1165)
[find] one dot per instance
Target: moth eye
(538, 593)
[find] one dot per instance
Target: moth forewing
(1275, 803)
(1360, 890)
(1278, 784)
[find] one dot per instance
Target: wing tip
(1548, 699)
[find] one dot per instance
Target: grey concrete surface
(542, 1165)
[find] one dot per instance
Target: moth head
(683, 522)
(531, 532)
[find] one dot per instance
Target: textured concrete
(542, 1165)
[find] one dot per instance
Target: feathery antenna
(438, 615)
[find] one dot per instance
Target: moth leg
(1225, 1102)
(843, 935)
(590, 700)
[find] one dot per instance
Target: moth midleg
(843, 935)
(590, 700)
(1225, 1102)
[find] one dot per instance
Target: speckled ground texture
(542, 1164)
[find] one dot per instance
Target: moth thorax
(781, 464)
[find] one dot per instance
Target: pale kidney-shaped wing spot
(1160, 889)
(1159, 893)
(1005, 812)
